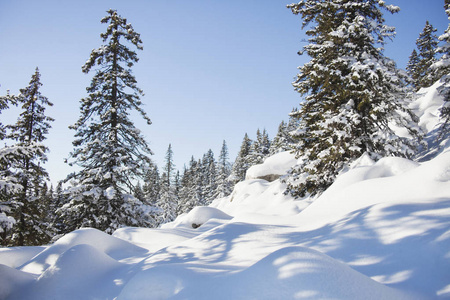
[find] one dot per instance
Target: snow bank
(114, 247)
(81, 272)
(197, 217)
(299, 273)
(273, 167)
(427, 106)
(257, 196)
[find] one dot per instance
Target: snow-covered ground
(381, 231)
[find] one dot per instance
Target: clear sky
(211, 70)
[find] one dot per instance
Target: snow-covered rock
(272, 168)
(198, 216)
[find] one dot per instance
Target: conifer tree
(208, 178)
(241, 164)
(413, 69)
(28, 133)
(441, 70)
(152, 185)
(110, 151)
(352, 92)
(9, 183)
(427, 44)
(223, 173)
(168, 201)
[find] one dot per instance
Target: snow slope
(381, 231)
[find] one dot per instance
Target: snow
(277, 164)
(381, 231)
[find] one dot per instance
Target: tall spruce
(28, 133)
(9, 184)
(110, 151)
(427, 45)
(242, 162)
(413, 69)
(168, 202)
(223, 173)
(442, 70)
(352, 93)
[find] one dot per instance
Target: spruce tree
(223, 173)
(413, 69)
(427, 44)
(352, 93)
(110, 151)
(441, 70)
(152, 185)
(208, 178)
(28, 133)
(168, 201)
(242, 163)
(9, 183)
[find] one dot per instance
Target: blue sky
(211, 70)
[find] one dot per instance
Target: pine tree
(241, 164)
(169, 167)
(208, 178)
(28, 133)
(223, 173)
(168, 201)
(441, 69)
(427, 44)
(110, 151)
(352, 92)
(190, 193)
(152, 185)
(9, 183)
(413, 70)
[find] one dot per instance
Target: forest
(354, 100)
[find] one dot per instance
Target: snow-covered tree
(189, 195)
(241, 164)
(413, 70)
(152, 185)
(224, 187)
(168, 201)
(427, 45)
(352, 92)
(9, 184)
(442, 70)
(28, 133)
(208, 178)
(110, 151)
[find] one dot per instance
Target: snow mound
(79, 266)
(298, 273)
(114, 247)
(427, 106)
(198, 216)
(273, 167)
(257, 196)
(12, 280)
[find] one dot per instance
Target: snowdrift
(381, 231)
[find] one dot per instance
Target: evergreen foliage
(352, 92)
(110, 151)
(224, 187)
(427, 45)
(442, 70)
(242, 163)
(168, 201)
(413, 69)
(24, 162)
